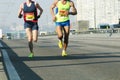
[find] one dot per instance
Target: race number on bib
(62, 12)
(29, 16)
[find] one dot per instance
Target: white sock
(63, 50)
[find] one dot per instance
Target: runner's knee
(60, 37)
(66, 37)
(35, 40)
(29, 39)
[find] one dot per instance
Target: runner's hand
(20, 16)
(54, 18)
(38, 16)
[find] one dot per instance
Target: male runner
(62, 21)
(29, 10)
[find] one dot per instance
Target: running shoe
(31, 55)
(64, 53)
(60, 45)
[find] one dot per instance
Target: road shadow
(22, 69)
(74, 56)
(78, 57)
(76, 64)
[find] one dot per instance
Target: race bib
(29, 16)
(62, 13)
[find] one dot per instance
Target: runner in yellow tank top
(62, 21)
(62, 16)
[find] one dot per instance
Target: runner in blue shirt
(28, 10)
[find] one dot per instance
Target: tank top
(61, 9)
(30, 12)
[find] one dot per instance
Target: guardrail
(102, 31)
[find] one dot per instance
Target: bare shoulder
(55, 2)
(71, 3)
(22, 5)
(36, 4)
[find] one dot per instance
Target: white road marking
(12, 73)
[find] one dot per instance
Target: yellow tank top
(60, 16)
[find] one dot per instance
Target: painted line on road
(12, 73)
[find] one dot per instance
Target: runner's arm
(40, 9)
(52, 9)
(74, 10)
(20, 11)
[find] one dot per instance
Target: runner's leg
(59, 32)
(30, 44)
(35, 35)
(66, 37)
(60, 36)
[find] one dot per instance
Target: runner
(62, 21)
(28, 10)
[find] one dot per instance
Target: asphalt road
(89, 58)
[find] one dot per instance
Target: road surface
(89, 58)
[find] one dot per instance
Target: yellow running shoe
(60, 45)
(64, 53)
(31, 55)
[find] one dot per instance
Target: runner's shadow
(73, 56)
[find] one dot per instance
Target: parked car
(8, 37)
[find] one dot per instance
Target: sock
(30, 44)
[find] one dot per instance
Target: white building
(98, 12)
(1, 35)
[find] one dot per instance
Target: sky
(9, 11)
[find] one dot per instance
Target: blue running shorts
(32, 25)
(62, 24)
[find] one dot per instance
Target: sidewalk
(2, 70)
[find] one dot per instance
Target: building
(92, 13)
(1, 35)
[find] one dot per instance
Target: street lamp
(95, 13)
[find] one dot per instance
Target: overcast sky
(9, 11)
